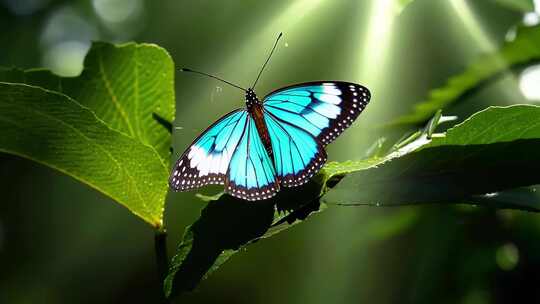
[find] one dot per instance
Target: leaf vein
(112, 95)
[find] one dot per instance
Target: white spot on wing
(333, 99)
(331, 89)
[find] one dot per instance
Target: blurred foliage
(519, 5)
(523, 50)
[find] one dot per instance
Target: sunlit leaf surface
(129, 86)
(53, 129)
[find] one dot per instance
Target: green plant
(110, 128)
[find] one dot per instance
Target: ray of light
(240, 61)
(483, 41)
(381, 19)
(288, 22)
(376, 27)
(471, 23)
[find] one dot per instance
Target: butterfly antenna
(267, 59)
(212, 76)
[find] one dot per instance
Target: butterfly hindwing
(298, 155)
(206, 161)
(251, 175)
(324, 109)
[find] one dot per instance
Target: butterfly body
(276, 143)
(256, 110)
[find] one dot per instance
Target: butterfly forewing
(324, 109)
(206, 161)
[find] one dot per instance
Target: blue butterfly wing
(207, 160)
(251, 175)
(323, 109)
(301, 119)
(298, 155)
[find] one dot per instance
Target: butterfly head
(251, 98)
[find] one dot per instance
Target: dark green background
(62, 242)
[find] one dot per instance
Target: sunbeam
(377, 40)
(482, 39)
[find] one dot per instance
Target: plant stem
(160, 246)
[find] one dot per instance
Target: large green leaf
(227, 225)
(53, 129)
(129, 86)
(494, 150)
(523, 50)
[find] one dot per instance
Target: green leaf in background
(493, 150)
(523, 50)
(53, 129)
(522, 6)
(129, 86)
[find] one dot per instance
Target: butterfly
(270, 144)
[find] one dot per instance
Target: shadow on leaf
(227, 224)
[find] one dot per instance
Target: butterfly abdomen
(256, 110)
(258, 116)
